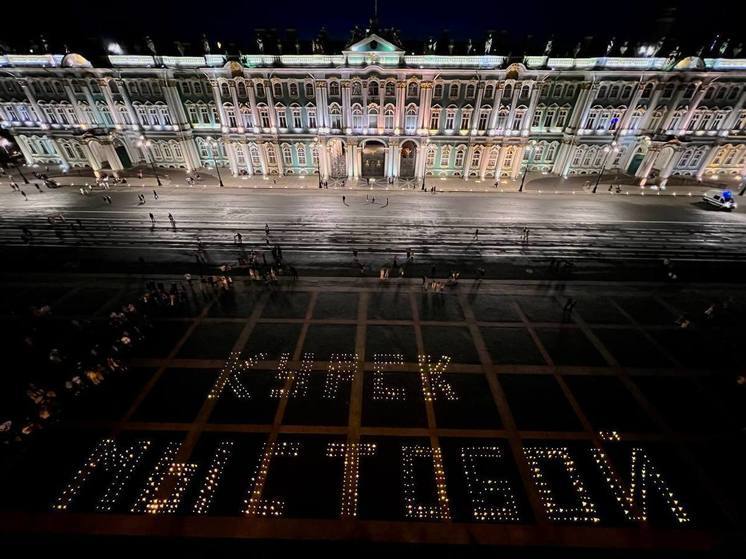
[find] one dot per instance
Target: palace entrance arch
(407, 160)
(373, 159)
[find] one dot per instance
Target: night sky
(235, 20)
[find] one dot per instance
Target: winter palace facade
(374, 111)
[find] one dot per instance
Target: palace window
(518, 119)
(410, 118)
(264, 116)
(293, 89)
(357, 89)
(248, 121)
(388, 118)
(445, 156)
(224, 90)
(489, 91)
(309, 90)
(390, 89)
(430, 161)
(334, 89)
(256, 160)
(357, 118)
(465, 119)
(259, 89)
(271, 155)
(453, 91)
(165, 115)
(297, 122)
(230, 112)
(412, 89)
(287, 156)
(282, 117)
(470, 90)
(492, 161)
(277, 89)
(549, 118)
(186, 88)
(198, 88)
(372, 117)
(311, 113)
(450, 118)
(373, 89)
(458, 161)
(335, 116)
(438, 90)
(300, 150)
(241, 88)
(508, 91)
(614, 91)
(476, 158)
(434, 119)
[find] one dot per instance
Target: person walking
(266, 229)
(172, 220)
(152, 219)
(155, 195)
(25, 197)
(237, 238)
(344, 200)
(476, 235)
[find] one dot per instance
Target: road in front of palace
(318, 230)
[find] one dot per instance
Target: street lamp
(530, 148)
(213, 143)
(608, 151)
(145, 145)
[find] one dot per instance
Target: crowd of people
(54, 362)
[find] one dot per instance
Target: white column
(699, 95)
(232, 161)
(495, 109)
(128, 103)
(236, 105)
(706, 161)
(477, 107)
(218, 103)
(92, 161)
(322, 104)
(631, 107)
(467, 162)
(76, 108)
(92, 103)
(252, 105)
(647, 165)
(25, 150)
(109, 97)
(732, 118)
(517, 162)
(32, 101)
(668, 169)
(346, 105)
(263, 157)
(485, 159)
(529, 116)
(513, 104)
(191, 156)
(500, 161)
(401, 90)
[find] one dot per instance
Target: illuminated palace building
(371, 109)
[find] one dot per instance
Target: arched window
(445, 156)
(277, 89)
(287, 156)
(453, 91)
(300, 150)
(335, 116)
(334, 89)
(372, 116)
(282, 117)
(458, 161)
(508, 91)
(357, 88)
(602, 92)
(256, 159)
(412, 89)
(450, 123)
(525, 91)
(241, 89)
(647, 91)
(308, 89)
(492, 161)
(293, 89)
(626, 92)
(264, 116)
(430, 161)
(224, 90)
(410, 118)
(470, 90)
(489, 91)
(388, 118)
(246, 116)
(484, 117)
(259, 89)
(357, 117)
(465, 123)
(373, 89)
(390, 89)
(296, 115)
(311, 116)
(551, 151)
(435, 117)
(614, 91)
(438, 90)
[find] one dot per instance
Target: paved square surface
(454, 412)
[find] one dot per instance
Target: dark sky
(235, 20)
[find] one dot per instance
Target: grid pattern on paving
(526, 373)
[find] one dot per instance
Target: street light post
(317, 146)
(608, 150)
(213, 144)
(530, 149)
(145, 145)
